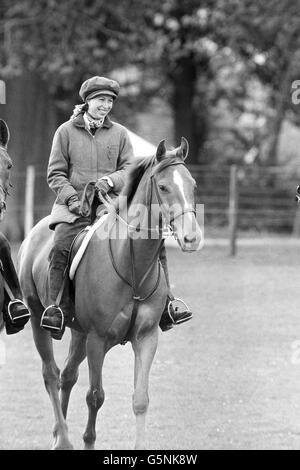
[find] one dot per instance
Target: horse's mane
(133, 178)
(135, 173)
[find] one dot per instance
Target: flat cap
(95, 86)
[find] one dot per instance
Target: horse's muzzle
(188, 233)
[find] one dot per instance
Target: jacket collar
(78, 121)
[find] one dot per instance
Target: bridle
(155, 169)
(153, 184)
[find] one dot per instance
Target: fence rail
(260, 198)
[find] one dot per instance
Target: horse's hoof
(89, 446)
(62, 445)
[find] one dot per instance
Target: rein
(135, 287)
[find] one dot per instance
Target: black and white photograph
(149, 227)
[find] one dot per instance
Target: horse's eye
(9, 166)
(163, 188)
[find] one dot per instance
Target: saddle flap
(80, 244)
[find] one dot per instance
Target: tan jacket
(77, 157)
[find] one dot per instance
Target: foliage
(215, 61)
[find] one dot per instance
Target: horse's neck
(145, 243)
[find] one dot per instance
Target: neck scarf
(94, 123)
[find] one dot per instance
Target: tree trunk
(186, 117)
(282, 104)
(282, 96)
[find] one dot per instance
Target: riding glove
(74, 205)
(102, 187)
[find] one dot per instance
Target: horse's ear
(161, 150)
(183, 150)
(4, 133)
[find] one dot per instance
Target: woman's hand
(102, 187)
(74, 205)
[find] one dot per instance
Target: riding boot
(171, 316)
(55, 316)
(15, 312)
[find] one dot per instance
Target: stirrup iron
(19, 317)
(50, 327)
(175, 309)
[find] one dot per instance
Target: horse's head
(5, 166)
(175, 191)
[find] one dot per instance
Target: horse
(5, 167)
(119, 292)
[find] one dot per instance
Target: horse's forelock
(166, 162)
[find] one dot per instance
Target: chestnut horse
(5, 166)
(119, 292)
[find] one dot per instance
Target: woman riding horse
(87, 147)
(15, 312)
(120, 293)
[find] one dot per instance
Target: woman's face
(100, 106)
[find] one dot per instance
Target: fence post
(296, 224)
(233, 208)
(29, 199)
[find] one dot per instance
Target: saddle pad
(84, 244)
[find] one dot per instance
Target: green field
(229, 379)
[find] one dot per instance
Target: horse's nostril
(189, 238)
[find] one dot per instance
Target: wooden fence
(261, 199)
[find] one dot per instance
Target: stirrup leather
(50, 327)
(171, 307)
(21, 316)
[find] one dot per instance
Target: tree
(266, 35)
(188, 35)
(172, 45)
(66, 42)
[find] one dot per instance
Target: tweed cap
(95, 86)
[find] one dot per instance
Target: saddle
(80, 244)
(77, 250)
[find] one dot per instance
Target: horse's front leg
(144, 351)
(95, 395)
